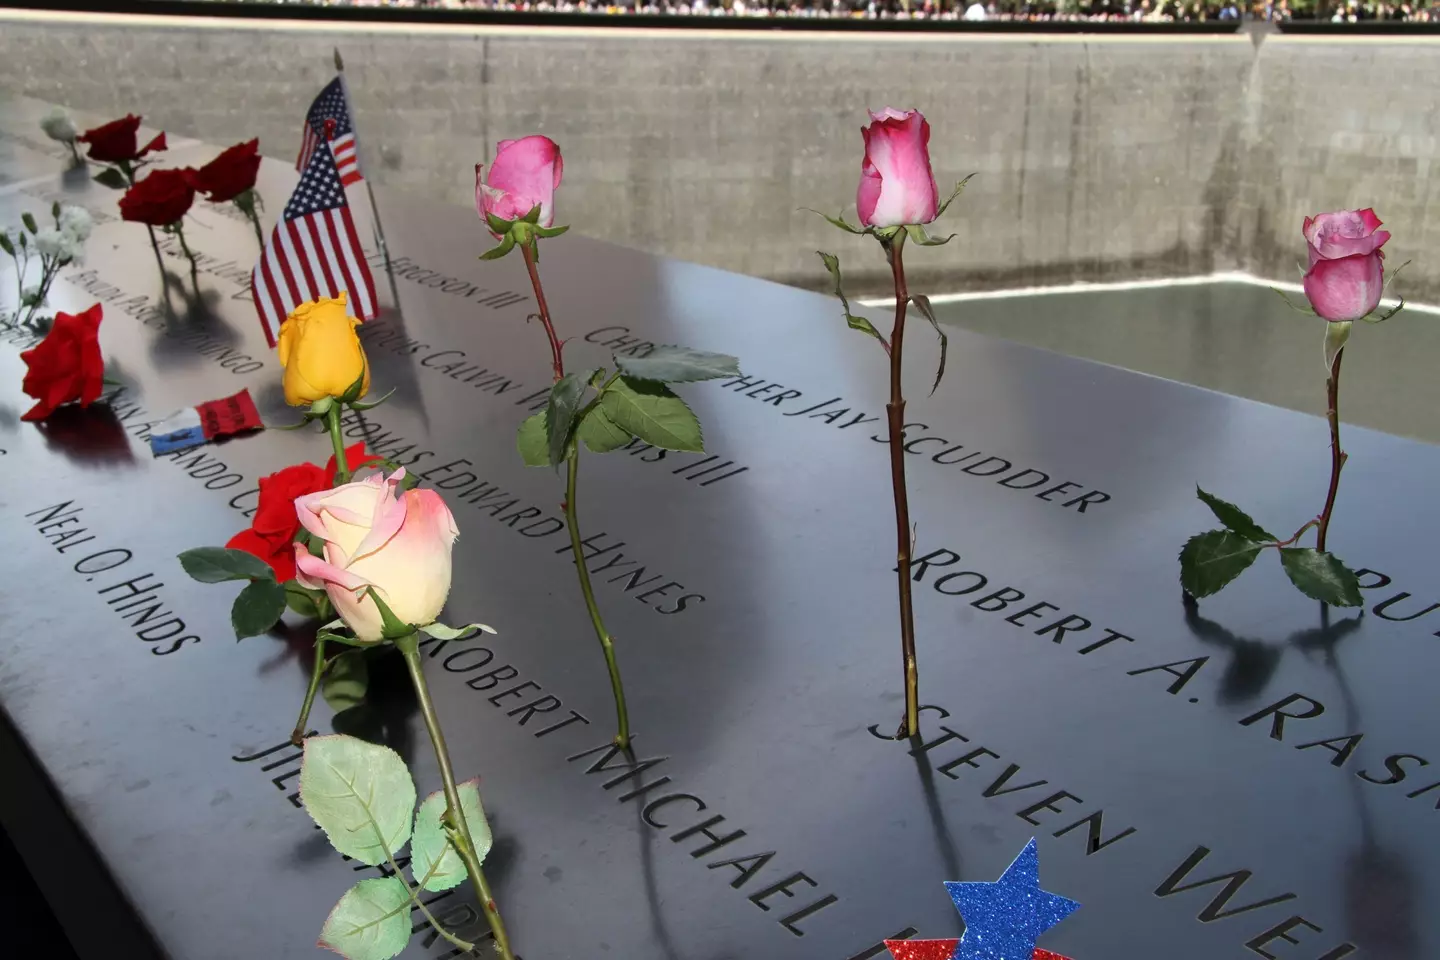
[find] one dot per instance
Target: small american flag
(329, 119)
(313, 251)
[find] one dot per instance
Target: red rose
(115, 141)
(230, 174)
(160, 199)
(66, 365)
(273, 530)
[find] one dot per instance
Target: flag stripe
(344, 263)
(283, 285)
(320, 240)
(353, 250)
(290, 265)
(302, 257)
(268, 301)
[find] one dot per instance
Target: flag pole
(375, 223)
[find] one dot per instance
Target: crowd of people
(1343, 11)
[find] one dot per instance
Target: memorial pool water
(1237, 337)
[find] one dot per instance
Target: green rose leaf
(112, 178)
(434, 861)
(5, 243)
(371, 922)
(258, 607)
(837, 221)
(1235, 519)
(600, 433)
(1321, 576)
(1211, 560)
(560, 414)
(917, 233)
(442, 631)
(652, 412)
(368, 404)
(832, 263)
(531, 442)
(349, 640)
(1337, 334)
(360, 794)
(218, 564)
(951, 199)
(346, 681)
(679, 365)
(506, 244)
(29, 222)
(301, 600)
(923, 304)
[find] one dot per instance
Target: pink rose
(1347, 266)
(526, 172)
(896, 184)
(378, 536)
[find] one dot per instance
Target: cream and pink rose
(378, 536)
(1347, 266)
(896, 184)
(525, 174)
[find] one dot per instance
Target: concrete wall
(1098, 158)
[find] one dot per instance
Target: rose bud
(115, 141)
(377, 536)
(321, 353)
(526, 173)
(66, 365)
(230, 174)
(1347, 266)
(160, 199)
(896, 184)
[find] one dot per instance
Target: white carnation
(52, 243)
(76, 221)
(58, 125)
(74, 249)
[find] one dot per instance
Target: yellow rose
(321, 352)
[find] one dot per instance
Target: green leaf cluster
(260, 605)
(1211, 560)
(605, 412)
(363, 797)
(521, 232)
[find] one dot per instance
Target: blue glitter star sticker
(1004, 919)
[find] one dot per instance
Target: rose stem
(607, 642)
(1337, 457)
(332, 421)
(559, 366)
(298, 734)
(572, 519)
(180, 232)
(896, 411)
(155, 245)
(460, 831)
(255, 222)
